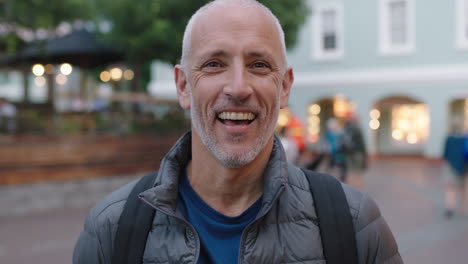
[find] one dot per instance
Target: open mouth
(236, 118)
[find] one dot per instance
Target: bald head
(224, 5)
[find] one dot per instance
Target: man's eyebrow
(214, 53)
(259, 54)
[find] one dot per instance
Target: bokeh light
(128, 74)
(39, 81)
(49, 69)
(38, 69)
(105, 76)
(374, 124)
(374, 114)
(66, 68)
(61, 79)
(314, 109)
(116, 74)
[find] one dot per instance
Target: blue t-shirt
(219, 234)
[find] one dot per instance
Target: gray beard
(227, 159)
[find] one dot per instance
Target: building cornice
(420, 74)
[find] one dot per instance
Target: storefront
(399, 125)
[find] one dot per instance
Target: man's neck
(228, 191)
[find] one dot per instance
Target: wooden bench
(30, 159)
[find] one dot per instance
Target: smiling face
(235, 81)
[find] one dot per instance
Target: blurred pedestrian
(7, 116)
(225, 192)
(335, 140)
(289, 144)
(454, 170)
(354, 149)
(311, 161)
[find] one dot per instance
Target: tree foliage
(47, 14)
(153, 29)
(144, 30)
(21, 19)
(291, 14)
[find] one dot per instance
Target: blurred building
(65, 78)
(399, 66)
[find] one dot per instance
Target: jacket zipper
(249, 226)
(187, 223)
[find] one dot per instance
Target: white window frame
(386, 48)
(318, 52)
(461, 38)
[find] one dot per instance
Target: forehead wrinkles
(215, 23)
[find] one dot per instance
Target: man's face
(235, 83)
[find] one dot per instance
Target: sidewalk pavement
(410, 194)
(40, 223)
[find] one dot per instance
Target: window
(329, 30)
(398, 23)
(327, 26)
(462, 24)
(396, 34)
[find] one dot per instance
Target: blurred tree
(27, 20)
(153, 29)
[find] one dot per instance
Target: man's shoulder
(363, 208)
(371, 228)
(373, 236)
(108, 210)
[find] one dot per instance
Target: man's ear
(288, 80)
(183, 93)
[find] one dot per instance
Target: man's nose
(238, 87)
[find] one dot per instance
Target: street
(40, 224)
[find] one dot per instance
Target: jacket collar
(163, 195)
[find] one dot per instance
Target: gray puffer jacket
(285, 230)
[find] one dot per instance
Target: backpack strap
(334, 218)
(134, 225)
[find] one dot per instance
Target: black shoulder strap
(334, 219)
(134, 225)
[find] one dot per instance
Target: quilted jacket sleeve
(375, 241)
(88, 249)
(94, 246)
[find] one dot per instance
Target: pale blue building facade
(405, 59)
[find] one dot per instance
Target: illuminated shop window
(410, 123)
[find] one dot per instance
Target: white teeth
(236, 116)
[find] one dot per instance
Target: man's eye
(259, 65)
(212, 64)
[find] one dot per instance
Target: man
(334, 137)
(225, 193)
